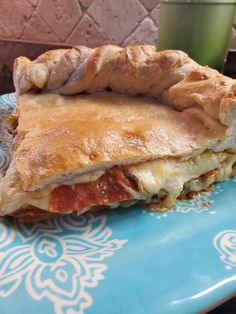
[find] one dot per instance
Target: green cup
(200, 28)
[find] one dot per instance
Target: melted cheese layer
(167, 174)
(171, 175)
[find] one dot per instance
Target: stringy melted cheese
(153, 176)
(171, 175)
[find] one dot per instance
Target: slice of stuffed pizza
(110, 126)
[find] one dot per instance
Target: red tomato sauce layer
(108, 189)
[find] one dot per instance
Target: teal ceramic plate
(125, 261)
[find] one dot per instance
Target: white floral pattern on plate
(225, 243)
(58, 259)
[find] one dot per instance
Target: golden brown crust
(86, 132)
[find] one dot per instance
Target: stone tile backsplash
(75, 21)
(30, 27)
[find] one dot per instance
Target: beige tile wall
(38, 25)
(88, 22)
(70, 22)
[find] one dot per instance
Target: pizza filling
(110, 188)
(154, 184)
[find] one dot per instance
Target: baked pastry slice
(110, 126)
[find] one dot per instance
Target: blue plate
(125, 261)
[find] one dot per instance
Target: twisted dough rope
(131, 70)
(170, 75)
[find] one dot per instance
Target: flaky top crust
(61, 131)
(57, 133)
